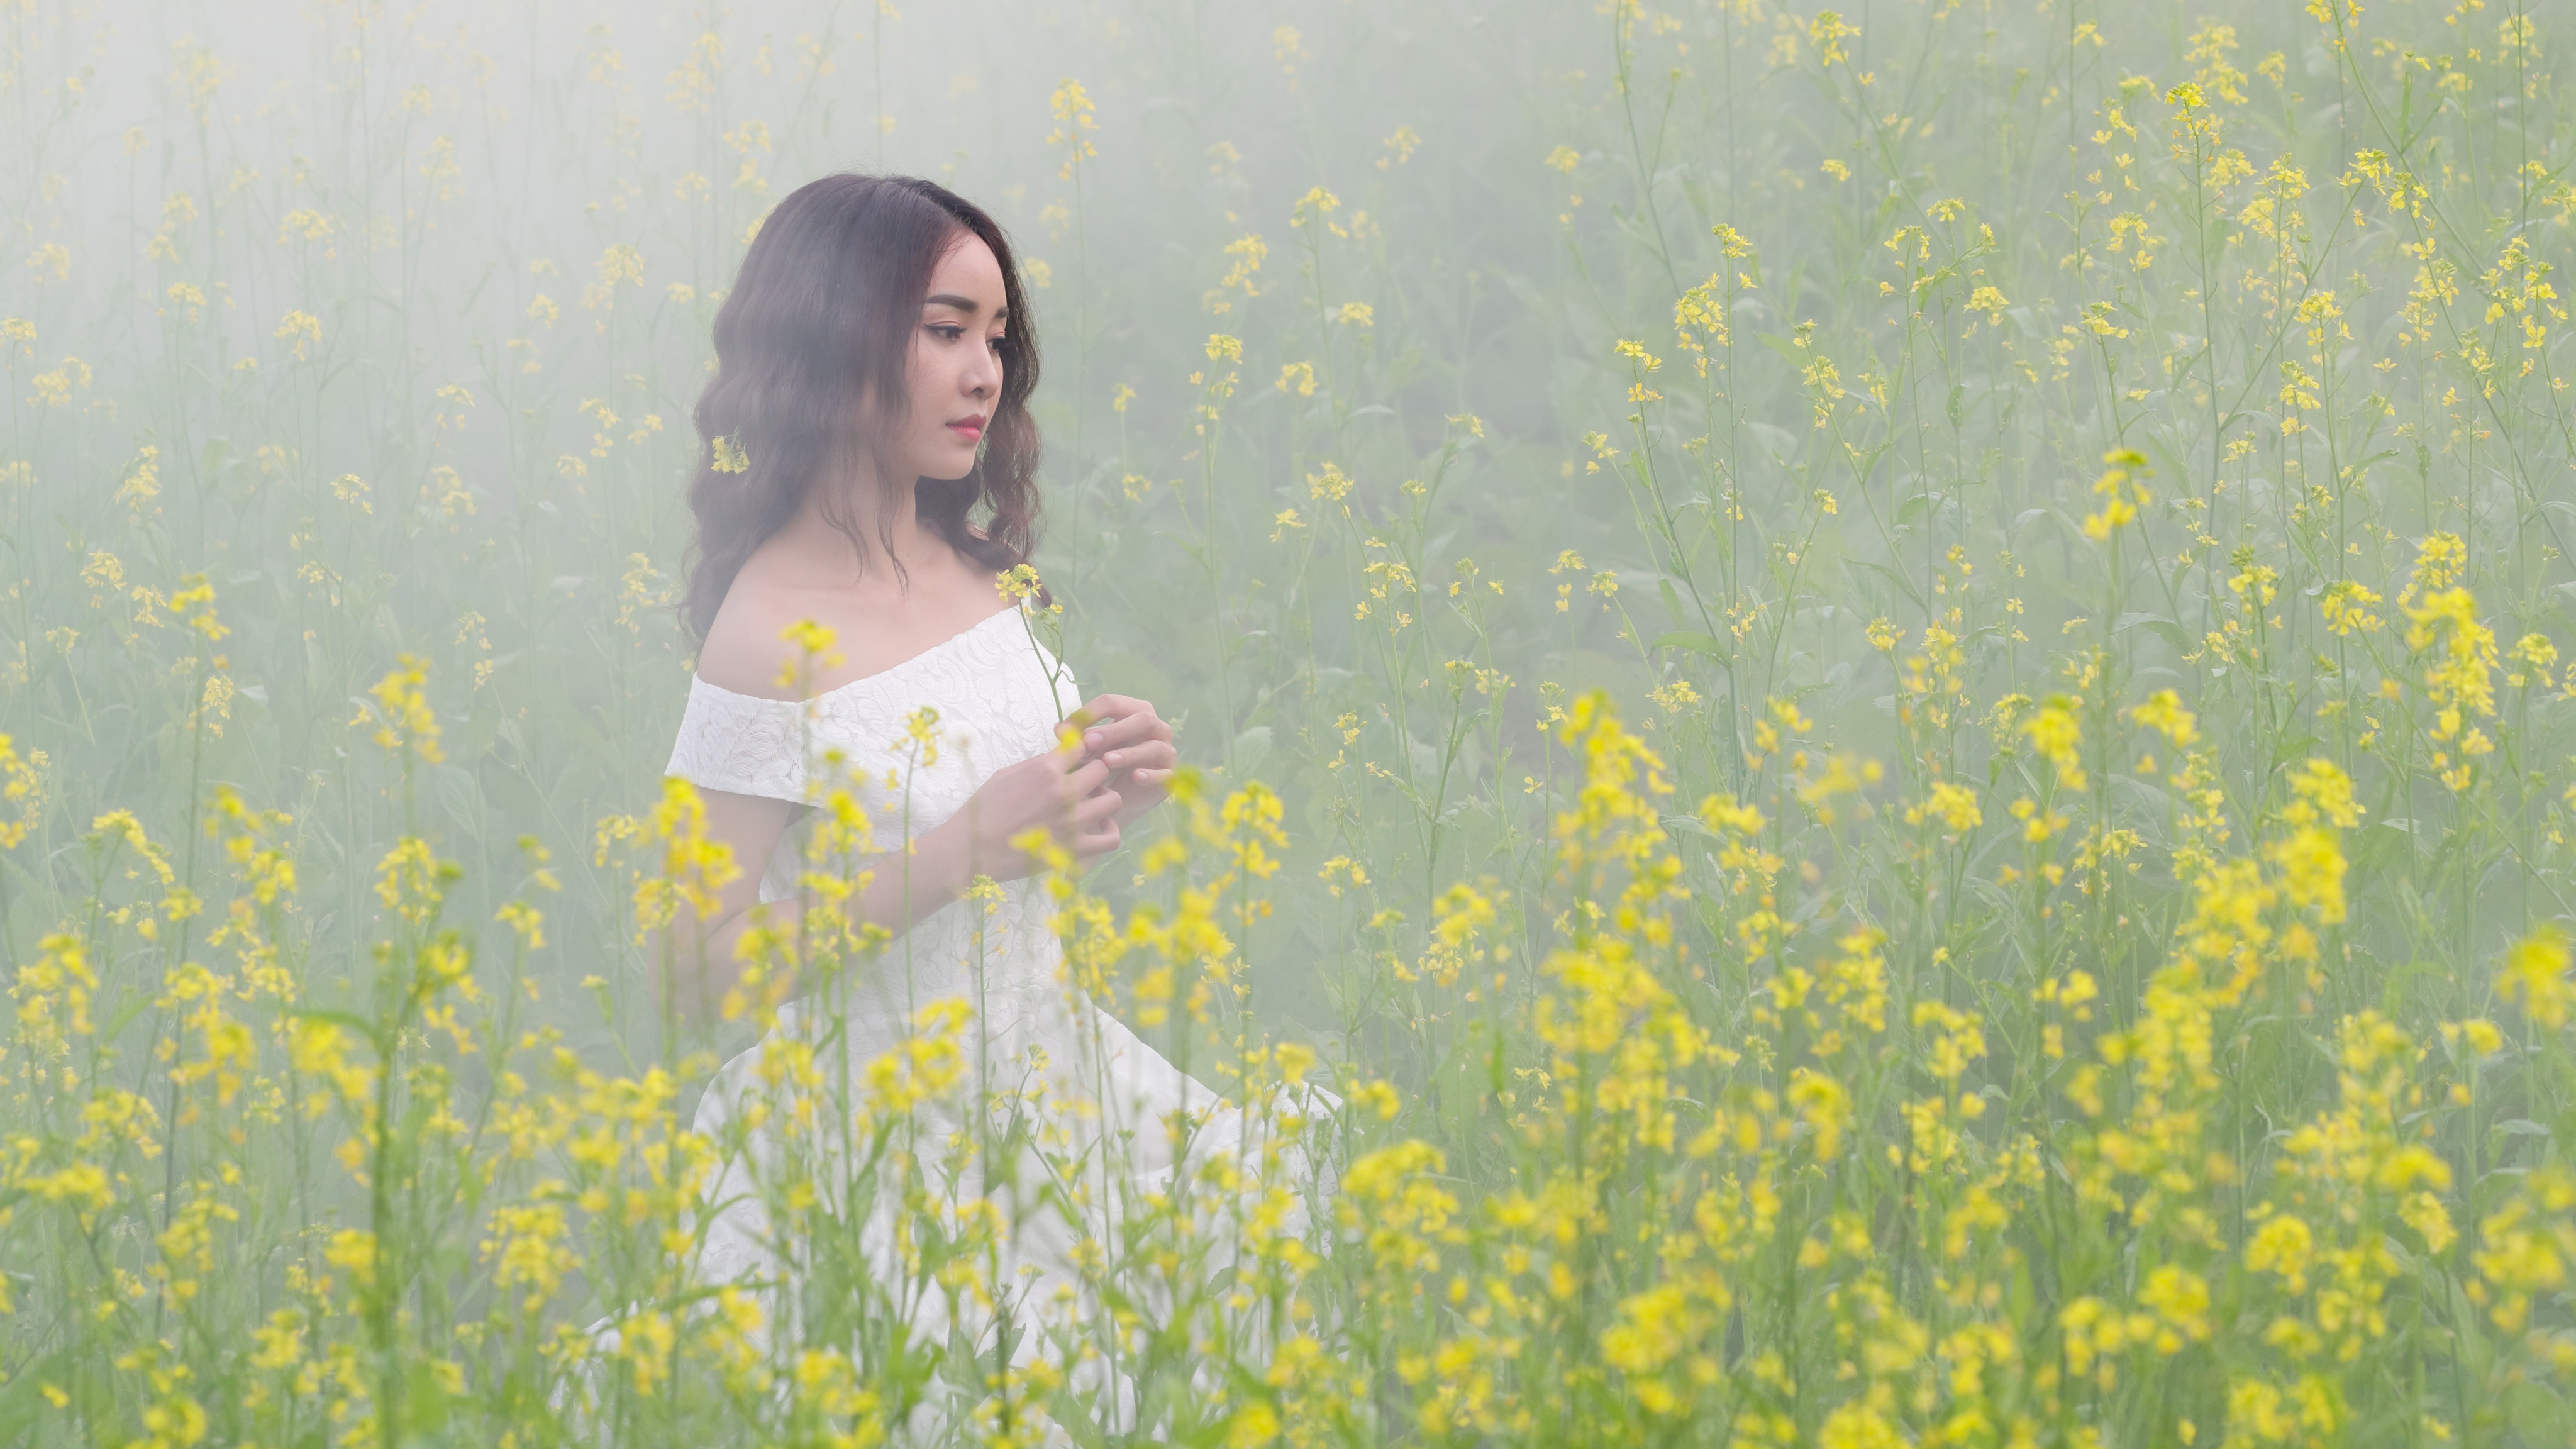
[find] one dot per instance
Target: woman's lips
(970, 430)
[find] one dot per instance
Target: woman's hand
(1062, 791)
(1126, 735)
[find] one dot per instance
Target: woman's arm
(1059, 790)
(698, 954)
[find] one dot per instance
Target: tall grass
(1916, 779)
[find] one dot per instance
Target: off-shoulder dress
(1100, 1122)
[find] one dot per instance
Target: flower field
(1883, 691)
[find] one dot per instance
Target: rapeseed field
(1882, 690)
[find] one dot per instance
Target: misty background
(388, 321)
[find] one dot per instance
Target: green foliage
(2069, 946)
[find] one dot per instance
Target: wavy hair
(820, 316)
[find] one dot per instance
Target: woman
(994, 1132)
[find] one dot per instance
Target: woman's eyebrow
(967, 305)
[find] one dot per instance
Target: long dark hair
(822, 314)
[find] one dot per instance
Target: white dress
(1105, 1126)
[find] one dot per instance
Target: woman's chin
(949, 470)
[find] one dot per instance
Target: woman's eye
(949, 333)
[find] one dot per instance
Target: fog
(2047, 491)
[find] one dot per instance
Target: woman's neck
(819, 538)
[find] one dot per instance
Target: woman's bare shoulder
(746, 650)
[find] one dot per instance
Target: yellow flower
(1953, 805)
(2124, 496)
(2534, 977)
(2053, 732)
(301, 329)
(2163, 712)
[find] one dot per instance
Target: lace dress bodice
(997, 694)
(912, 743)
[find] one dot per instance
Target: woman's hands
(1126, 736)
(1120, 767)
(1062, 791)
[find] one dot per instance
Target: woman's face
(954, 372)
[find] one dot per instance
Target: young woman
(873, 367)
(869, 466)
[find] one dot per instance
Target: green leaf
(1904, 586)
(1250, 748)
(127, 1008)
(2163, 628)
(1782, 443)
(1692, 640)
(2289, 749)
(365, 1029)
(21, 1401)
